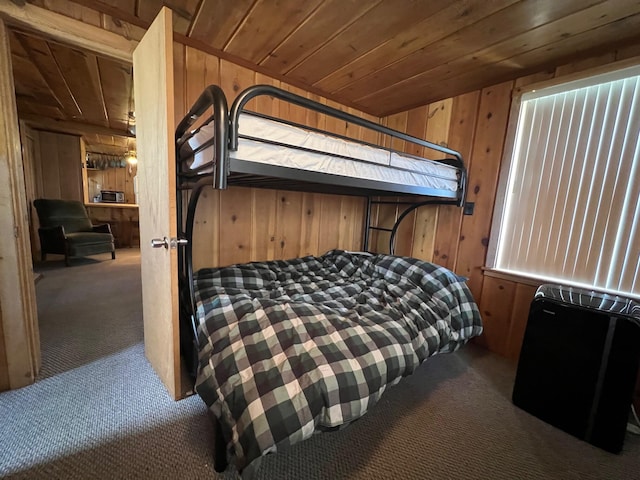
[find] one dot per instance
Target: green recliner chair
(65, 229)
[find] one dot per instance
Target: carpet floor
(98, 410)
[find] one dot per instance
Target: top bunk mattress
(266, 141)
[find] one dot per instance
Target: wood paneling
(59, 166)
(491, 126)
(217, 20)
(470, 56)
(310, 223)
(264, 27)
(183, 11)
(437, 124)
(504, 307)
(116, 82)
(240, 225)
(522, 299)
(83, 91)
(384, 19)
(351, 222)
(69, 23)
(417, 231)
(206, 230)
(327, 231)
(446, 21)
(464, 112)
(263, 225)
(288, 233)
(119, 179)
(496, 305)
(331, 16)
(235, 226)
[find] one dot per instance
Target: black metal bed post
(367, 226)
(462, 194)
(212, 96)
(220, 462)
(191, 214)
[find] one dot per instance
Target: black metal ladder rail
(411, 206)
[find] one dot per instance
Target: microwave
(111, 196)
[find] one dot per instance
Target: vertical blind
(572, 207)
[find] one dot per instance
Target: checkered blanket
(289, 348)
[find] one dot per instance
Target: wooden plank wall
(120, 179)
(417, 233)
(245, 224)
(58, 166)
(52, 169)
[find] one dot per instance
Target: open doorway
(153, 63)
(77, 125)
(77, 119)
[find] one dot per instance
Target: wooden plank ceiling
(63, 89)
(381, 56)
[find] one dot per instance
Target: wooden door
(153, 89)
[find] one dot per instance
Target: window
(571, 208)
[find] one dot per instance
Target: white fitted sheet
(364, 161)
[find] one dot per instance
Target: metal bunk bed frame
(225, 138)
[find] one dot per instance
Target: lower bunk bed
(284, 349)
(292, 348)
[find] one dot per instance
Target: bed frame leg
(367, 226)
(220, 463)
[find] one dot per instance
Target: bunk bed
(287, 348)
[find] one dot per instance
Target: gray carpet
(98, 411)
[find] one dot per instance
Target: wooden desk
(123, 218)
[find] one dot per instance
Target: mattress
(291, 348)
(270, 142)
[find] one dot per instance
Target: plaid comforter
(289, 348)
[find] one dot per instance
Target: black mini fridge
(578, 364)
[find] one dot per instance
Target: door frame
(19, 334)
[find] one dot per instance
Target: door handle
(160, 242)
(172, 243)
